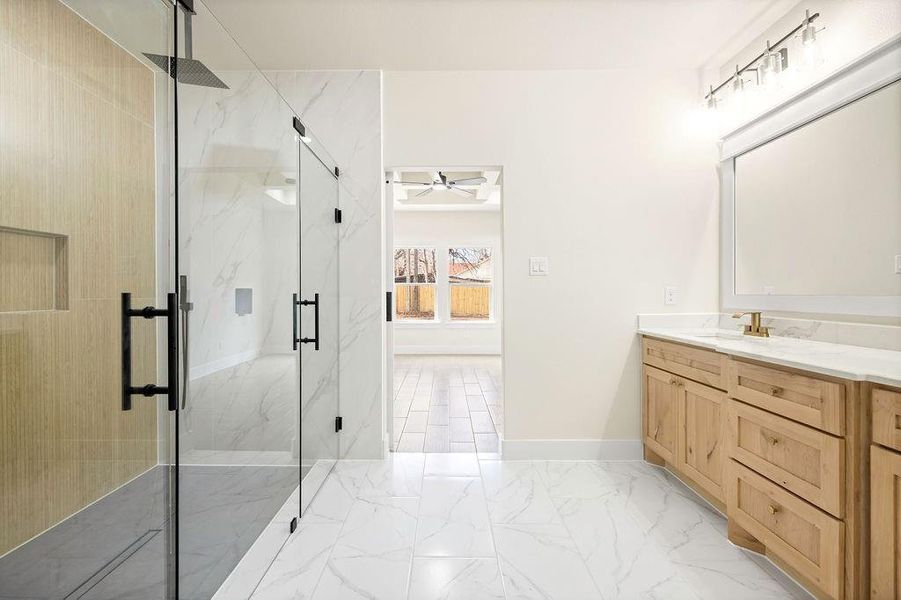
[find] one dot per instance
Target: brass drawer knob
(772, 509)
(774, 441)
(776, 391)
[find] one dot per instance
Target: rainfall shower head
(190, 71)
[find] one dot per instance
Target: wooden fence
(467, 302)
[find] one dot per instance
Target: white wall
(445, 230)
(602, 175)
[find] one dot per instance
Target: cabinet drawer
(700, 365)
(816, 402)
(803, 460)
(887, 418)
(803, 536)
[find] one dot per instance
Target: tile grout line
(416, 529)
(497, 555)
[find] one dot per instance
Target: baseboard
(572, 449)
(448, 349)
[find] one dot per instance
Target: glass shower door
(318, 317)
(85, 192)
(238, 247)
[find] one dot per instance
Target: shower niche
(34, 267)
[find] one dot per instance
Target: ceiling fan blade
(424, 192)
(412, 183)
(469, 181)
(461, 192)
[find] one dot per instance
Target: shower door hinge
(293, 525)
(188, 5)
(389, 306)
(337, 172)
(339, 424)
(337, 215)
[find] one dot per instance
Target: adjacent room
(450, 300)
(447, 269)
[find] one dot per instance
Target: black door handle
(149, 312)
(315, 304)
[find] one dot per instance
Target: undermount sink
(722, 335)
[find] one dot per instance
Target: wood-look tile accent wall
(77, 160)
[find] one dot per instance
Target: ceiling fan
(440, 182)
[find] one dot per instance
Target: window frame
(398, 316)
(491, 287)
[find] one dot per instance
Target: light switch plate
(898, 264)
(670, 295)
(538, 266)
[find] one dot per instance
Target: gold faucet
(755, 328)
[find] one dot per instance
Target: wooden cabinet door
(662, 396)
(701, 447)
(885, 520)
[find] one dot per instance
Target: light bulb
(811, 49)
(770, 68)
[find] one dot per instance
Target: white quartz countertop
(838, 360)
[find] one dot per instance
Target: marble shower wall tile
(343, 110)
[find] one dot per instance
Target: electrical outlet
(670, 295)
(898, 264)
(769, 290)
(537, 266)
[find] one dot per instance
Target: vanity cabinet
(683, 418)
(885, 496)
(785, 454)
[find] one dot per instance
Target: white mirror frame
(874, 70)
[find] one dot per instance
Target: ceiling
(485, 34)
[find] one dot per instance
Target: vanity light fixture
(770, 64)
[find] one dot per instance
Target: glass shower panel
(85, 186)
(238, 247)
(318, 309)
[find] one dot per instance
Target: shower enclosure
(168, 303)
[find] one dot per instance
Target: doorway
(446, 308)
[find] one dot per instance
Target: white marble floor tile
(452, 465)
(453, 519)
(456, 579)
(515, 530)
(516, 494)
(542, 562)
(294, 573)
(399, 475)
(371, 558)
(571, 479)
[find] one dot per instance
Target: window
(469, 272)
(414, 283)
